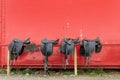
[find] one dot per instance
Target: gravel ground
(63, 77)
(24, 74)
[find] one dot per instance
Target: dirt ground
(112, 76)
(33, 74)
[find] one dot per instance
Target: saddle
(87, 47)
(16, 47)
(47, 49)
(67, 47)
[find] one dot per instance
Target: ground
(65, 77)
(28, 74)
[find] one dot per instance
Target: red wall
(0, 34)
(53, 19)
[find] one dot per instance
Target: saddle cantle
(87, 47)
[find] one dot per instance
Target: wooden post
(75, 61)
(8, 63)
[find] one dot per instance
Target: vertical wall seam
(3, 33)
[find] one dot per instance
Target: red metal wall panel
(53, 19)
(0, 28)
(63, 17)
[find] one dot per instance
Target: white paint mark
(81, 35)
(68, 25)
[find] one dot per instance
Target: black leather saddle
(46, 47)
(67, 47)
(87, 47)
(16, 47)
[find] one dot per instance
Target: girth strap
(46, 64)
